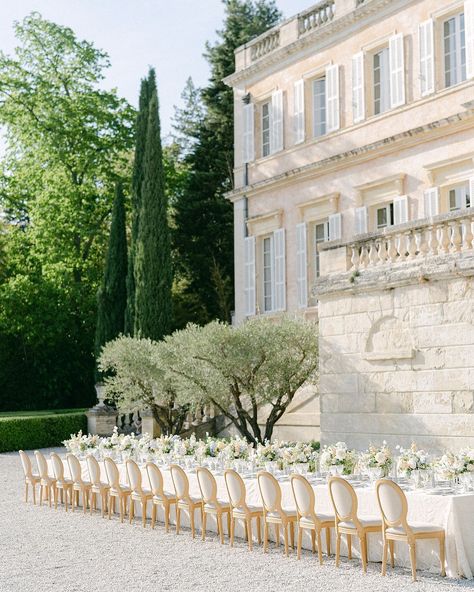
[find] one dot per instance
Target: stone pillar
(149, 423)
(102, 418)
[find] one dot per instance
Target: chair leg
(153, 515)
(363, 552)
(391, 546)
(413, 560)
(56, 493)
(349, 546)
(442, 553)
(313, 541)
(65, 498)
(229, 518)
(277, 534)
(204, 524)
(144, 505)
(221, 528)
(111, 501)
(259, 530)
(320, 550)
(231, 533)
(285, 537)
(178, 518)
(41, 496)
(338, 548)
(34, 493)
(122, 504)
(166, 509)
(292, 535)
(328, 541)
(249, 534)
(132, 510)
(191, 519)
(26, 492)
(299, 542)
(73, 499)
(384, 557)
(265, 535)
(103, 502)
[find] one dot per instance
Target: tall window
(454, 50)
(381, 81)
(459, 198)
(267, 274)
(265, 129)
(321, 234)
(319, 107)
(384, 216)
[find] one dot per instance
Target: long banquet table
(453, 511)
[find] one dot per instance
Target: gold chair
(98, 487)
(79, 486)
(273, 513)
(184, 500)
(394, 509)
(308, 518)
(240, 510)
(160, 497)
(30, 477)
(138, 493)
(344, 501)
(47, 483)
(116, 490)
(62, 484)
(210, 503)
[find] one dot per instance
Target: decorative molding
(319, 207)
(389, 339)
(265, 223)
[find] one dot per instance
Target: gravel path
(43, 549)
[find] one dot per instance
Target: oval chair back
(393, 504)
(156, 480)
(58, 467)
(180, 482)
(270, 492)
(94, 469)
(42, 464)
(236, 489)
(74, 469)
(304, 497)
(344, 500)
(26, 464)
(134, 476)
(112, 472)
(207, 486)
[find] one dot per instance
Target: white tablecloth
(453, 512)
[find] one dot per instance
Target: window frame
(384, 80)
(322, 107)
(265, 119)
(270, 280)
(315, 242)
(389, 212)
(466, 199)
(459, 53)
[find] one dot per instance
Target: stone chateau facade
(354, 180)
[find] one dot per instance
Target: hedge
(40, 431)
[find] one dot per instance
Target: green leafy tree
(152, 262)
(112, 295)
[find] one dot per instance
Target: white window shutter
(400, 210)
(298, 111)
(469, 32)
(397, 70)
(335, 226)
(431, 202)
(361, 220)
(248, 133)
(276, 136)
(301, 266)
(280, 269)
(249, 275)
(358, 87)
(332, 98)
(427, 70)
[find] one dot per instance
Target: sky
(167, 34)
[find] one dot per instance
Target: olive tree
(250, 373)
(137, 380)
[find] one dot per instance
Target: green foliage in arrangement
(39, 431)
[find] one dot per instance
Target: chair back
(156, 479)
(42, 464)
(94, 469)
(392, 503)
(112, 472)
(304, 497)
(270, 492)
(134, 476)
(207, 485)
(74, 468)
(26, 464)
(58, 467)
(344, 500)
(180, 482)
(236, 489)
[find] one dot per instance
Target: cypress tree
(152, 262)
(112, 295)
(137, 180)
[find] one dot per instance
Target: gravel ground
(43, 549)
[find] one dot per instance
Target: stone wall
(397, 354)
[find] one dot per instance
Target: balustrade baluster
(382, 251)
(197, 416)
(355, 257)
(391, 249)
(373, 254)
(454, 236)
(411, 244)
(364, 256)
(467, 235)
(432, 240)
(443, 238)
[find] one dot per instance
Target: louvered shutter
(248, 135)
(280, 269)
(335, 226)
(301, 266)
(332, 98)
(276, 137)
(469, 33)
(358, 87)
(427, 72)
(400, 210)
(298, 111)
(361, 220)
(249, 275)
(431, 202)
(397, 70)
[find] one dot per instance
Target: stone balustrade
(265, 44)
(316, 17)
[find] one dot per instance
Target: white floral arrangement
(166, 444)
(412, 459)
(466, 460)
(212, 447)
(297, 453)
(237, 449)
(378, 458)
(268, 452)
(448, 466)
(338, 455)
(187, 446)
(81, 444)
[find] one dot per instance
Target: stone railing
(265, 44)
(316, 17)
(448, 233)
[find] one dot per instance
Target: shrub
(41, 431)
